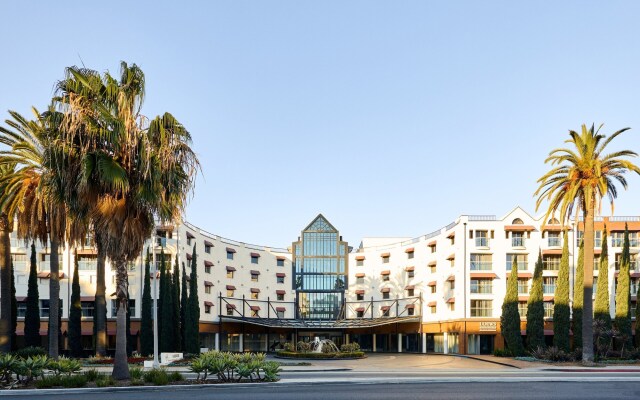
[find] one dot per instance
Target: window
(360, 296)
(432, 309)
(87, 308)
(254, 258)
(481, 286)
(521, 259)
(280, 262)
(549, 285)
(360, 314)
(548, 309)
(481, 262)
(254, 277)
(482, 239)
(230, 292)
(132, 307)
(280, 296)
(359, 263)
(481, 308)
(207, 289)
(410, 292)
(517, 239)
(385, 295)
(254, 295)
(207, 309)
(22, 309)
(554, 239)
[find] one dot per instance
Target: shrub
(91, 374)
(135, 373)
(30, 351)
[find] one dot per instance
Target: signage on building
(488, 326)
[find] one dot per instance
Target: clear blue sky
(390, 118)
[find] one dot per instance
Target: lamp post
(155, 301)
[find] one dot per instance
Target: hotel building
(441, 292)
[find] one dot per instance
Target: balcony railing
(481, 265)
(482, 242)
(554, 242)
(517, 242)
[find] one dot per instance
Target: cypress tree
(184, 304)
(578, 299)
(166, 330)
(601, 309)
(623, 294)
(14, 310)
(510, 319)
(561, 313)
(32, 315)
(177, 335)
(146, 317)
(535, 309)
(75, 314)
(192, 334)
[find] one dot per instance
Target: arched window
(517, 221)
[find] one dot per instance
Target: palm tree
(581, 177)
(136, 170)
(6, 226)
(33, 194)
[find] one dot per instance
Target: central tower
(320, 265)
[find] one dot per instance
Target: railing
(481, 265)
(517, 242)
(482, 242)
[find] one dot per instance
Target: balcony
(517, 242)
(481, 265)
(482, 242)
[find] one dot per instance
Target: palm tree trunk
(100, 318)
(120, 365)
(54, 298)
(587, 308)
(5, 285)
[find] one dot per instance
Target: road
(376, 391)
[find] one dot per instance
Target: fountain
(319, 346)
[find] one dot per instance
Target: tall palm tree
(582, 175)
(6, 226)
(34, 195)
(135, 170)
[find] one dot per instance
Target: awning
(519, 228)
(451, 300)
(231, 287)
(432, 263)
(231, 250)
(451, 256)
(360, 309)
(409, 287)
(208, 303)
(385, 272)
(190, 235)
(410, 306)
(254, 272)
(432, 304)
(360, 275)
(432, 283)
(255, 254)
(385, 308)
(232, 306)
(208, 243)
(255, 290)
(230, 269)
(486, 275)
(255, 308)
(385, 290)
(359, 258)
(208, 264)
(281, 292)
(281, 274)
(384, 255)
(451, 278)
(281, 309)
(207, 283)
(409, 269)
(87, 298)
(360, 291)
(409, 250)
(432, 243)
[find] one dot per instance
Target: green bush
(91, 374)
(30, 351)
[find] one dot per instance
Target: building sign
(488, 326)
